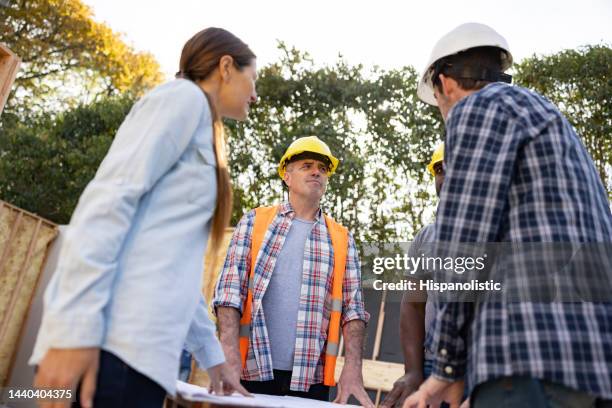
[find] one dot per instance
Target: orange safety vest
(339, 237)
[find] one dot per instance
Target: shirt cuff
(227, 300)
(352, 314)
(76, 331)
(210, 355)
(446, 368)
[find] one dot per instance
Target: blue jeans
(120, 386)
(527, 392)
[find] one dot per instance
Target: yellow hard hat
(307, 144)
(437, 157)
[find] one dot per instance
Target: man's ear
(225, 64)
(448, 84)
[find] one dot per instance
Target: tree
(46, 163)
(372, 121)
(381, 190)
(579, 82)
(69, 58)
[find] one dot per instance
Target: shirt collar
(287, 210)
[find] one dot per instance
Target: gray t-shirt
(425, 236)
(281, 301)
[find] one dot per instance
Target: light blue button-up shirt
(129, 273)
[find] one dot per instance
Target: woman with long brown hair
(125, 298)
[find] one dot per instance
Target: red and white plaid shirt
(315, 299)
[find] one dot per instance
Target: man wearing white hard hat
(515, 172)
(291, 282)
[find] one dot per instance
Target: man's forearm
(229, 326)
(353, 332)
(412, 333)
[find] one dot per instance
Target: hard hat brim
(462, 38)
(431, 165)
(307, 144)
(425, 91)
(334, 163)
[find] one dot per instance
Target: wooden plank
(378, 395)
(24, 242)
(9, 65)
(372, 299)
(20, 279)
(4, 204)
(4, 258)
(377, 375)
(379, 327)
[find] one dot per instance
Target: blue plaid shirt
(517, 172)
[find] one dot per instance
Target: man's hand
(351, 383)
(434, 391)
(64, 368)
(224, 379)
(402, 388)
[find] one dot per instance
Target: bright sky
(387, 33)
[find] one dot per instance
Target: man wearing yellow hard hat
(515, 172)
(417, 318)
(436, 167)
(291, 281)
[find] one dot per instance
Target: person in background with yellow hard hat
(436, 167)
(515, 172)
(417, 312)
(291, 281)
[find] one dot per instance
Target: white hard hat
(464, 37)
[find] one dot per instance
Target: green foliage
(46, 163)
(68, 58)
(579, 82)
(372, 122)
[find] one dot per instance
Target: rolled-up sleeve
(352, 295)
(232, 286)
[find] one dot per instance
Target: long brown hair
(199, 58)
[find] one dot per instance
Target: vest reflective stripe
(339, 238)
(263, 218)
(245, 330)
(251, 283)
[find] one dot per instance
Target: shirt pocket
(203, 190)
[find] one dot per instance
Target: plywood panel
(24, 242)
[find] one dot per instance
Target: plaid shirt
(315, 299)
(517, 172)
